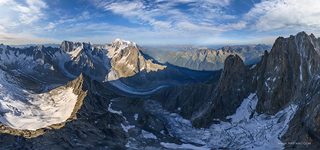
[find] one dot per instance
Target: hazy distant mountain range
(29, 45)
(203, 58)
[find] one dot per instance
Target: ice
(114, 111)
(244, 111)
(75, 52)
(183, 146)
(267, 86)
(127, 128)
(242, 132)
(113, 79)
(136, 116)
(23, 109)
(127, 145)
(300, 73)
(162, 132)
(253, 66)
(148, 135)
(113, 49)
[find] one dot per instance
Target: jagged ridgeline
(49, 91)
(115, 96)
(203, 58)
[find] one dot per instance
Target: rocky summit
(116, 96)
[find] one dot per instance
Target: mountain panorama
(123, 96)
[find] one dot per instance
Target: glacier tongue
(23, 109)
(242, 132)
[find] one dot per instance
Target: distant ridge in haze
(203, 58)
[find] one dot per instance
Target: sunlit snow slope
(23, 109)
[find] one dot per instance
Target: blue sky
(148, 22)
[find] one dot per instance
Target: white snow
(136, 116)
(267, 86)
(23, 109)
(123, 87)
(114, 47)
(244, 111)
(114, 111)
(183, 146)
(127, 128)
(259, 132)
(253, 66)
(127, 145)
(148, 135)
(300, 73)
(162, 132)
(75, 52)
(3, 47)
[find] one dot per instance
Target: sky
(156, 22)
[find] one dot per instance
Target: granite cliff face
(201, 101)
(130, 60)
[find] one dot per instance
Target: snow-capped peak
(122, 43)
(116, 45)
(3, 46)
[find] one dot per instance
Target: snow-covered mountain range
(114, 96)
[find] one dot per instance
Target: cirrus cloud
(275, 15)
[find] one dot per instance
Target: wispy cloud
(17, 16)
(275, 15)
(20, 21)
(155, 21)
(30, 13)
(25, 38)
(164, 14)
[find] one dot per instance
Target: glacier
(241, 132)
(23, 109)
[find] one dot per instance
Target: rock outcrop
(130, 61)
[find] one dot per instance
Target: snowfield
(23, 109)
(242, 132)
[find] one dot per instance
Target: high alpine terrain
(115, 96)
